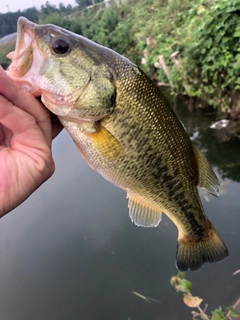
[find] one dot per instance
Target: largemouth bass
(125, 129)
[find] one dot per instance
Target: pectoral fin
(143, 214)
(109, 147)
(207, 179)
(101, 142)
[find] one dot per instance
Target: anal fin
(207, 179)
(143, 214)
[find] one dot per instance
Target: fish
(125, 129)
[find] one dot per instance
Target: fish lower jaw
(56, 105)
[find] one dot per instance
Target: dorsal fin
(143, 214)
(207, 179)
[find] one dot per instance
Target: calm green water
(71, 252)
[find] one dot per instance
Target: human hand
(26, 133)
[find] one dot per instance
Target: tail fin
(191, 255)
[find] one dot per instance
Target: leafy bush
(206, 36)
(192, 46)
(181, 284)
(211, 51)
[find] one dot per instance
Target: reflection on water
(71, 252)
(225, 156)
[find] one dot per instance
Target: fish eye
(60, 46)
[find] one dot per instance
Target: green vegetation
(192, 46)
(8, 21)
(185, 286)
(5, 48)
(85, 3)
(211, 51)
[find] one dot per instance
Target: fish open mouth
(24, 66)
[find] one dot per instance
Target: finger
(56, 125)
(14, 118)
(26, 136)
(27, 102)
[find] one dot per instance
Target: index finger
(27, 102)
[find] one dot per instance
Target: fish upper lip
(25, 36)
(23, 48)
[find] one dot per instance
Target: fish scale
(125, 129)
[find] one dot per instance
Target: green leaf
(182, 285)
(234, 313)
(218, 315)
(181, 275)
(185, 286)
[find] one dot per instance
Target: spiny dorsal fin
(207, 179)
(142, 214)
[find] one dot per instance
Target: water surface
(71, 252)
